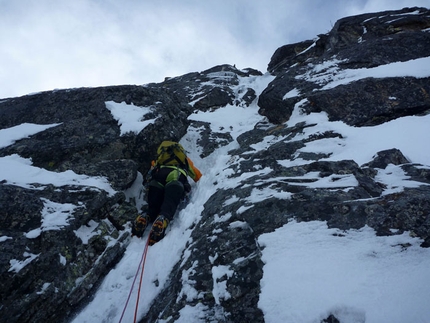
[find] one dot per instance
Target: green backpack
(171, 153)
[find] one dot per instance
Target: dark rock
(212, 88)
(363, 41)
(87, 140)
(217, 97)
(358, 39)
(290, 54)
(64, 268)
(209, 140)
(330, 319)
(383, 158)
(370, 102)
(229, 231)
(88, 133)
(417, 172)
(120, 173)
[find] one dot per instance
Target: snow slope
(310, 270)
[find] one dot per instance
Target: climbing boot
(139, 226)
(158, 229)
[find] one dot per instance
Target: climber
(167, 186)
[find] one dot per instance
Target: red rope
(142, 261)
(141, 276)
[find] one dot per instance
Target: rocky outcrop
(212, 88)
(86, 140)
(231, 239)
(46, 275)
(87, 132)
(62, 268)
(228, 232)
(364, 41)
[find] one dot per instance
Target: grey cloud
(49, 44)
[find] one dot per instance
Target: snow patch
(44, 288)
(9, 136)
(354, 273)
(86, 232)
(291, 94)
(17, 265)
(188, 289)
(54, 217)
(220, 274)
(130, 117)
(19, 171)
(329, 75)
(4, 238)
(395, 179)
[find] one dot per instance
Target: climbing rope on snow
(145, 251)
(140, 268)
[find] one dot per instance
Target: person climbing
(167, 186)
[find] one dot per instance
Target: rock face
(63, 268)
(365, 41)
(86, 141)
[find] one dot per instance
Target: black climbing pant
(166, 190)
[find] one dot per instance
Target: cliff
(319, 137)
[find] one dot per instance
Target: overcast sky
(50, 44)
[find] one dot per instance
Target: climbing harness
(140, 269)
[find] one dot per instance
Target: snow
(44, 288)
(85, 232)
(418, 68)
(191, 314)
(410, 142)
(187, 289)
(17, 265)
(291, 94)
(229, 119)
(129, 116)
(219, 276)
(54, 217)
(19, 171)
(261, 194)
(234, 119)
(395, 179)
(329, 75)
(9, 136)
(63, 260)
(310, 270)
